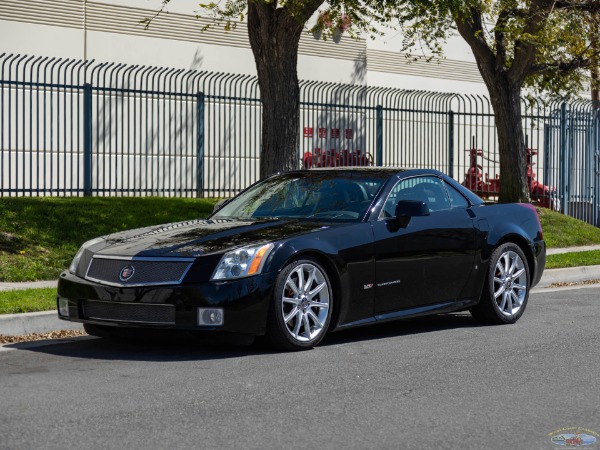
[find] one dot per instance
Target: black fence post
(547, 160)
(379, 137)
(87, 139)
(200, 145)
(564, 161)
(596, 168)
(451, 144)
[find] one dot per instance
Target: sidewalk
(28, 285)
(42, 322)
(583, 248)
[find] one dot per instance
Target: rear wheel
(506, 288)
(301, 307)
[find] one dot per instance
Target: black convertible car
(302, 253)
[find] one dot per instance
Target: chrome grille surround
(149, 271)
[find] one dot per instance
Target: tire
(97, 330)
(301, 307)
(506, 289)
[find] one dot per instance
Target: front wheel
(506, 288)
(301, 307)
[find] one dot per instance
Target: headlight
(242, 262)
(88, 244)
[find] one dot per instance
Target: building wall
(110, 31)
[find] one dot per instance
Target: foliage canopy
(544, 45)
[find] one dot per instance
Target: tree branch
(146, 21)
(525, 51)
(592, 6)
(470, 27)
(500, 37)
(305, 9)
(563, 66)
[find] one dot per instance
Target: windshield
(318, 195)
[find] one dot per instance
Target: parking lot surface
(442, 382)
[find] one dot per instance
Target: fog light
(212, 317)
(63, 306)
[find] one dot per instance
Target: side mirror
(411, 208)
(405, 209)
(220, 204)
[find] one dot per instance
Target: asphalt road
(432, 383)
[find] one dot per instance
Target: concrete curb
(42, 322)
(569, 275)
(36, 322)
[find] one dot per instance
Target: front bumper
(245, 303)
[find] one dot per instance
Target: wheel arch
(487, 310)
(523, 244)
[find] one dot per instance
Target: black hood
(203, 237)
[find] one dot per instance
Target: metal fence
(71, 127)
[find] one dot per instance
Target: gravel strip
(574, 283)
(41, 336)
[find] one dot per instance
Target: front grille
(129, 312)
(145, 271)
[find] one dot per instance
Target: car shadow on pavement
(163, 349)
(403, 327)
(179, 348)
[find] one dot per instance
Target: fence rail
(71, 127)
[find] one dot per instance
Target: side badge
(368, 286)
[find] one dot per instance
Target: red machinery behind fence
(486, 187)
(331, 158)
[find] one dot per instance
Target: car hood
(203, 237)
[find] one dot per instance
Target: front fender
(347, 254)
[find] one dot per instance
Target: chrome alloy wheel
(305, 302)
(510, 283)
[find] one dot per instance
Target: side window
(457, 199)
(429, 190)
(389, 208)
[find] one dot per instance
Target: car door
(429, 260)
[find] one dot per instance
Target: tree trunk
(274, 37)
(504, 86)
(506, 101)
(595, 70)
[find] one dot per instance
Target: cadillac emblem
(126, 273)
